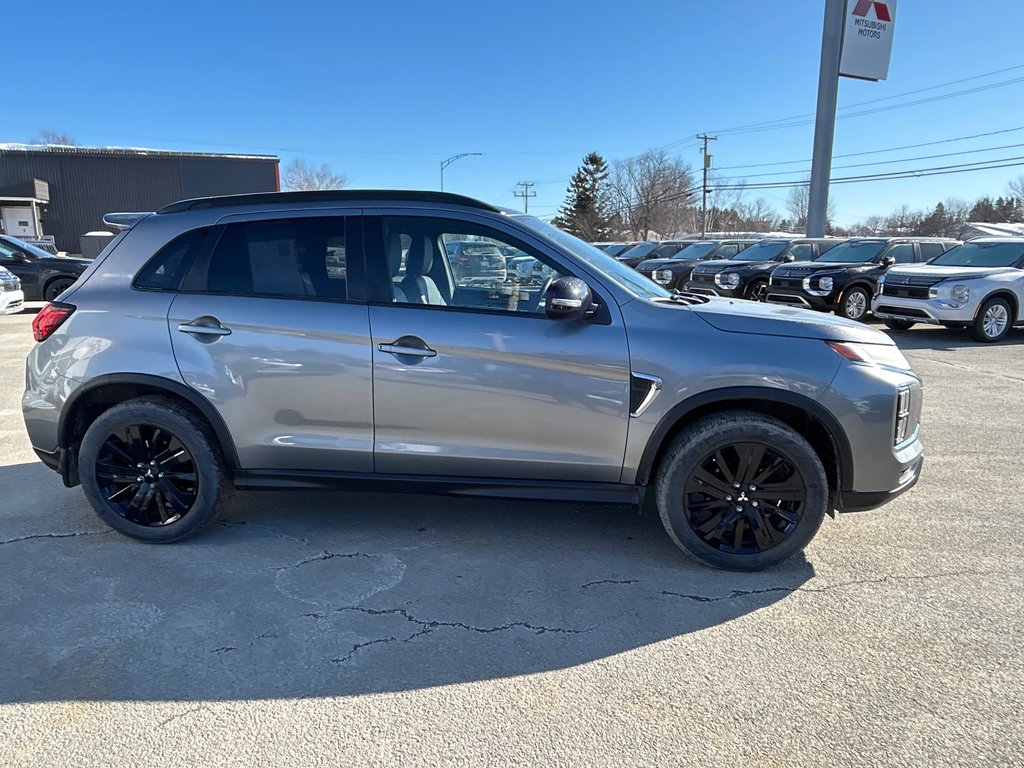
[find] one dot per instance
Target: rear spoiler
(121, 221)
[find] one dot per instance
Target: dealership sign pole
(856, 41)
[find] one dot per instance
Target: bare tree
(652, 193)
(798, 201)
(47, 136)
(298, 176)
(1016, 188)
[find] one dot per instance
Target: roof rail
(124, 220)
(325, 196)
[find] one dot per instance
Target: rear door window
(288, 258)
(903, 253)
(930, 250)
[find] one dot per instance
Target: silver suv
(299, 340)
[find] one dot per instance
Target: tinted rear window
(165, 271)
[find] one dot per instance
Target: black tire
(758, 291)
(993, 321)
(854, 304)
(690, 496)
(180, 493)
(55, 288)
(900, 325)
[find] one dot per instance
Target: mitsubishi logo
(881, 9)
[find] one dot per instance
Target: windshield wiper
(686, 297)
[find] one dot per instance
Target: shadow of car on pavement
(334, 594)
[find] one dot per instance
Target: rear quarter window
(165, 271)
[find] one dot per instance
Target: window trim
(195, 280)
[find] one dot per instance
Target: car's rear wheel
(899, 325)
(151, 470)
(741, 491)
(992, 322)
(56, 287)
(758, 291)
(854, 304)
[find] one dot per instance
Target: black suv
(674, 272)
(43, 276)
(652, 249)
(745, 275)
(844, 280)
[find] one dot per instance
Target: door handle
(401, 349)
(204, 330)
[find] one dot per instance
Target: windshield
(638, 251)
(854, 252)
(697, 251)
(615, 249)
(624, 277)
(981, 255)
(766, 250)
(11, 243)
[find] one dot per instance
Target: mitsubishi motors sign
(867, 38)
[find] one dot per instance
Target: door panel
(291, 378)
(504, 395)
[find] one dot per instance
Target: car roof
(1017, 240)
(333, 195)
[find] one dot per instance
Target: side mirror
(888, 261)
(20, 257)
(789, 257)
(568, 298)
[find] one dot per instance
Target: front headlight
(885, 355)
(727, 280)
(960, 293)
(662, 276)
(818, 286)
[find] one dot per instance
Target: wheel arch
(54, 278)
(808, 417)
(87, 402)
(1011, 298)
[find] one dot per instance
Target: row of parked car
(30, 273)
(977, 285)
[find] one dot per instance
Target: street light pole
(452, 159)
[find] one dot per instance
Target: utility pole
(825, 122)
(526, 194)
(704, 187)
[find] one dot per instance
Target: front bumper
(862, 501)
(710, 289)
(929, 311)
(12, 302)
(795, 297)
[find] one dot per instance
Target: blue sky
(384, 91)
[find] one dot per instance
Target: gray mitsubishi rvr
(324, 340)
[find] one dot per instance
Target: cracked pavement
(328, 628)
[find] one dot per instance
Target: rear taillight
(49, 319)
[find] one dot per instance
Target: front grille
(788, 282)
(904, 291)
(697, 277)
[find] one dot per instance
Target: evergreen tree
(586, 211)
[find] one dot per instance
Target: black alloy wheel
(147, 475)
(744, 498)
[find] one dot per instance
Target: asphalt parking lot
(330, 628)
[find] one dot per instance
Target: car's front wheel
(854, 304)
(992, 322)
(151, 470)
(741, 491)
(758, 291)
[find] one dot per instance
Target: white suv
(978, 285)
(12, 298)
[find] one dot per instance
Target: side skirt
(540, 490)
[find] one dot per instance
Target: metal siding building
(85, 183)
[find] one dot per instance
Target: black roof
(325, 196)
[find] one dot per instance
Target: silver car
(222, 342)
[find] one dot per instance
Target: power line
(526, 194)
(942, 170)
(885, 162)
(879, 151)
